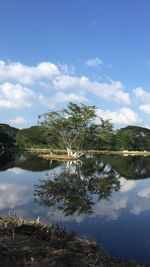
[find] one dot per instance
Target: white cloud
(67, 69)
(52, 76)
(121, 116)
(19, 120)
(62, 97)
(113, 91)
(141, 94)
(145, 108)
(66, 82)
(27, 74)
(94, 62)
(144, 97)
(17, 96)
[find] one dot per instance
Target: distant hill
(7, 135)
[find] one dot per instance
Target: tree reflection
(130, 167)
(78, 188)
(6, 161)
(26, 161)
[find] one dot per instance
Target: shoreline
(108, 152)
(31, 243)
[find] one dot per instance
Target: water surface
(102, 198)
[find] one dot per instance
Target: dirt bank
(26, 243)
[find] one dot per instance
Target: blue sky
(84, 51)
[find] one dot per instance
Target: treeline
(104, 138)
(75, 127)
(128, 138)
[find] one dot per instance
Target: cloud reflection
(127, 185)
(144, 193)
(111, 210)
(140, 206)
(16, 171)
(104, 208)
(12, 195)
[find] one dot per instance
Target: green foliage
(36, 136)
(72, 125)
(75, 127)
(105, 134)
(56, 132)
(133, 138)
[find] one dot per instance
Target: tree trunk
(75, 154)
(69, 152)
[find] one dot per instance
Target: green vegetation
(129, 138)
(133, 138)
(36, 136)
(75, 127)
(7, 136)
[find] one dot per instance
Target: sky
(95, 52)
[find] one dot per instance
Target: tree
(72, 125)
(133, 138)
(36, 136)
(106, 134)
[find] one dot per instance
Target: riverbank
(108, 152)
(30, 243)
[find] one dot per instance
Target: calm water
(103, 198)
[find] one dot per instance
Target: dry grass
(29, 243)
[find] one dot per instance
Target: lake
(102, 198)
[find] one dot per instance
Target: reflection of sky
(15, 171)
(115, 222)
(126, 200)
(16, 189)
(121, 223)
(12, 195)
